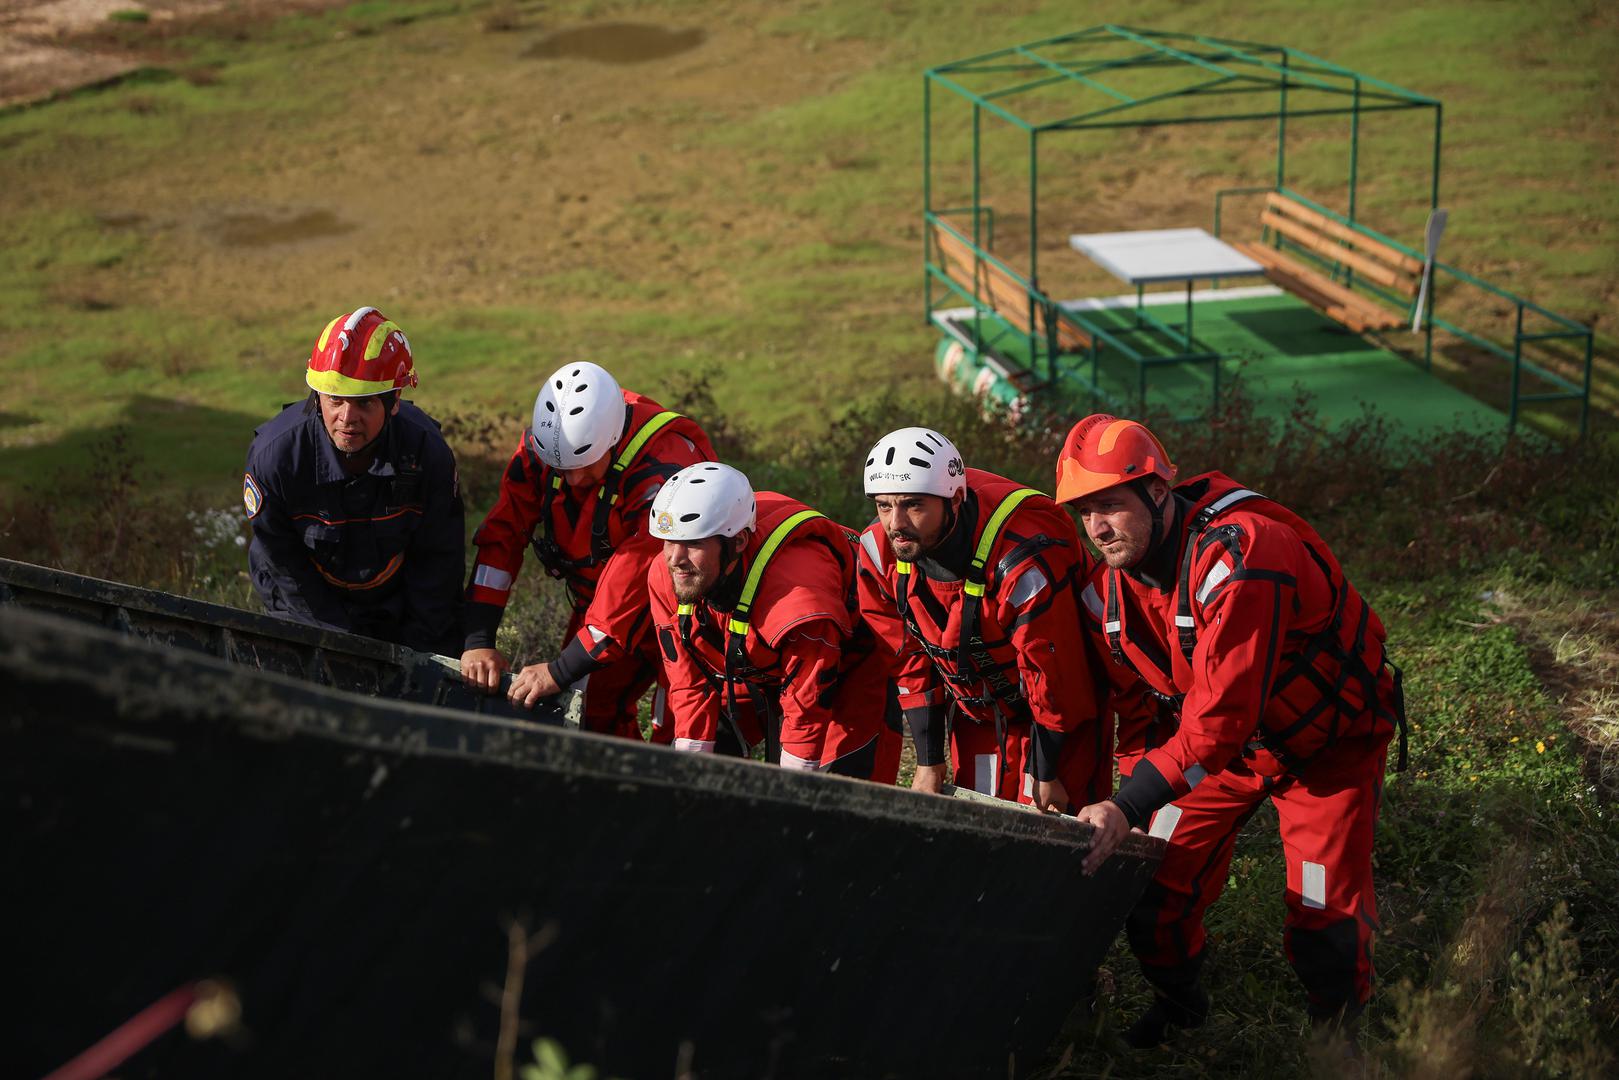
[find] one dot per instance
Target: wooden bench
(1001, 292)
(1336, 243)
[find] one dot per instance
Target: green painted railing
(1582, 336)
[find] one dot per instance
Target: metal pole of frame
(927, 194)
(1281, 131)
(1354, 150)
(978, 241)
(1433, 204)
(1049, 319)
(1354, 166)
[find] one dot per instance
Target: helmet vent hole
(550, 407)
(576, 410)
(581, 388)
(574, 374)
(698, 480)
(924, 447)
(871, 461)
(585, 449)
(689, 517)
(889, 460)
(921, 463)
(559, 384)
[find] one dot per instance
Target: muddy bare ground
(49, 47)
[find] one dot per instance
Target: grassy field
(722, 205)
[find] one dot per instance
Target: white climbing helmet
(578, 416)
(702, 500)
(915, 459)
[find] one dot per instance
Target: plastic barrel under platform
(964, 371)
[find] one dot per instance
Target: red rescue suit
(804, 664)
(595, 540)
(1023, 693)
(1261, 674)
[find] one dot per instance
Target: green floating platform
(1273, 345)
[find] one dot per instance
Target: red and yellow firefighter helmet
(1103, 451)
(360, 354)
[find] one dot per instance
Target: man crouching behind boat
(758, 628)
(354, 498)
(971, 582)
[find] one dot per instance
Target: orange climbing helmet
(1103, 451)
(360, 354)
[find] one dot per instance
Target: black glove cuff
(573, 664)
(1045, 752)
(927, 724)
(481, 621)
(1143, 793)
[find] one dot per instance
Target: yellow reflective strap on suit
(992, 532)
(902, 567)
(648, 429)
(685, 609)
(744, 603)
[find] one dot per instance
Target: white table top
(1145, 256)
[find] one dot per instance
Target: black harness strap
(1328, 641)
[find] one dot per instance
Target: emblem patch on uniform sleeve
(252, 498)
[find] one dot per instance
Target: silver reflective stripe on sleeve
(1093, 602)
(1164, 822)
(1028, 586)
(1218, 573)
(492, 578)
(1194, 775)
(695, 746)
(790, 760)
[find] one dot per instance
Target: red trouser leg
(853, 744)
(1166, 928)
(1086, 765)
(890, 745)
(613, 695)
(1328, 815)
(975, 757)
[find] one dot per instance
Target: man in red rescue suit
(1261, 675)
(578, 489)
(757, 622)
(353, 497)
(971, 581)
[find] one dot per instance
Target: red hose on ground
(152, 1022)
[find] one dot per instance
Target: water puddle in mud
(616, 43)
(121, 221)
(263, 230)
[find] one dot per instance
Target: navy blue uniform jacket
(381, 553)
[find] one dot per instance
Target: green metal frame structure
(1202, 79)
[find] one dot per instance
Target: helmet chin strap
(1139, 485)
